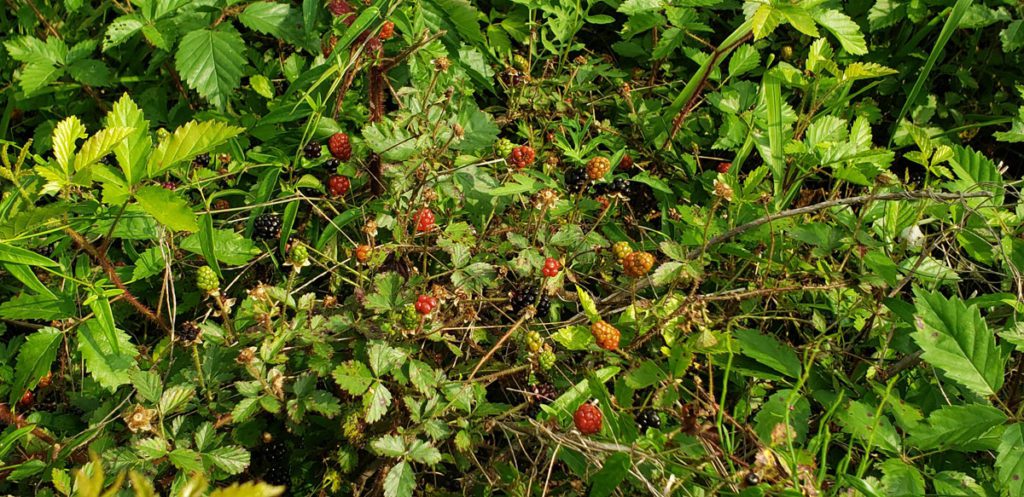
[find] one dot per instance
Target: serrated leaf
(229, 246)
(424, 452)
(769, 351)
(865, 70)
(1012, 36)
(28, 49)
(353, 377)
(956, 427)
(956, 339)
(34, 359)
(376, 402)
(169, 208)
(844, 29)
(589, 307)
(901, 479)
(148, 385)
(38, 75)
(99, 145)
(211, 62)
(400, 481)
(388, 446)
(189, 140)
(744, 59)
(175, 398)
(1010, 460)
(859, 420)
(67, 132)
(185, 459)
(574, 337)
(275, 19)
(120, 31)
(232, 459)
(131, 154)
(107, 363)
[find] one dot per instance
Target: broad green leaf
(211, 62)
(67, 132)
(844, 29)
(613, 472)
(28, 49)
(778, 411)
(768, 351)
(353, 377)
(18, 255)
(275, 19)
(99, 145)
(900, 479)
(589, 307)
(34, 359)
(229, 246)
(108, 368)
(743, 60)
(1010, 460)
(148, 385)
(765, 20)
(1012, 36)
(866, 70)
(376, 402)
(388, 446)
(121, 30)
(956, 427)
(36, 76)
(175, 398)
(189, 140)
(231, 459)
(859, 420)
(384, 358)
(170, 209)
(131, 154)
(463, 17)
(424, 453)
(956, 339)
(399, 481)
(186, 460)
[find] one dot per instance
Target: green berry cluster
(534, 342)
(504, 147)
(299, 255)
(410, 318)
(547, 358)
(207, 280)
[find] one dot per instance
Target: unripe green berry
(207, 280)
(520, 62)
(299, 255)
(504, 147)
(534, 341)
(547, 358)
(410, 318)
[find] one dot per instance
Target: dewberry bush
(511, 248)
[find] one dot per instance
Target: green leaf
(645, 375)
(376, 402)
(275, 19)
(613, 472)
(99, 145)
(34, 359)
(589, 307)
(148, 385)
(231, 459)
(956, 427)
(463, 16)
(859, 420)
(384, 358)
(67, 132)
(768, 351)
(131, 154)
(171, 209)
(900, 479)
(121, 30)
(189, 140)
(844, 29)
(38, 75)
(186, 460)
(388, 446)
(788, 409)
(353, 377)
(424, 452)
(743, 60)
(229, 246)
(956, 339)
(18, 255)
(1012, 36)
(1010, 460)
(109, 368)
(574, 337)
(175, 398)
(91, 72)
(386, 292)
(250, 489)
(211, 62)
(399, 481)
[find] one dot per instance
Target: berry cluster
(340, 147)
(576, 180)
(387, 31)
(723, 167)
(425, 304)
(338, 185)
(648, 418)
(637, 264)
(606, 335)
(522, 156)
(547, 358)
(206, 279)
(266, 227)
(363, 253)
(621, 250)
(312, 150)
(527, 296)
(201, 160)
(534, 341)
(587, 419)
(598, 167)
(188, 332)
(424, 220)
(551, 267)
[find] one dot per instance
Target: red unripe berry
(26, 399)
(338, 185)
(387, 30)
(425, 304)
(551, 267)
(363, 253)
(340, 147)
(46, 380)
(587, 419)
(522, 156)
(723, 167)
(424, 219)
(626, 162)
(169, 185)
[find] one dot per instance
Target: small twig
(498, 345)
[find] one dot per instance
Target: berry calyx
(340, 146)
(551, 267)
(598, 167)
(723, 167)
(606, 336)
(425, 304)
(522, 156)
(637, 264)
(363, 253)
(424, 220)
(338, 185)
(587, 419)
(266, 227)
(387, 30)
(621, 250)
(206, 279)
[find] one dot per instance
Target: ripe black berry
(188, 332)
(266, 227)
(576, 180)
(523, 298)
(332, 164)
(312, 150)
(648, 418)
(641, 199)
(272, 462)
(541, 393)
(201, 160)
(45, 250)
(543, 307)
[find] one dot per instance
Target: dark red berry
(587, 419)
(338, 185)
(170, 185)
(387, 30)
(425, 304)
(25, 400)
(723, 167)
(340, 146)
(522, 156)
(341, 8)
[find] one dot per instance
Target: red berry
(551, 267)
(169, 185)
(425, 304)
(522, 156)
(340, 146)
(723, 167)
(338, 185)
(626, 162)
(387, 30)
(363, 253)
(424, 220)
(341, 8)
(587, 419)
(46, 380)
(26, 399)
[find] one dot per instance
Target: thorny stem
(501, 341)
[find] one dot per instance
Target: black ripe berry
(641, 199)
(188, 332)
(45, 250)
(576, 180)
(648, 418)
(523, 298)
(201, 160)
(312, 150)
(266, 227)
(543, 306)
(541, 393)
(272, 462)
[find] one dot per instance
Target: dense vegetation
(524, 248)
